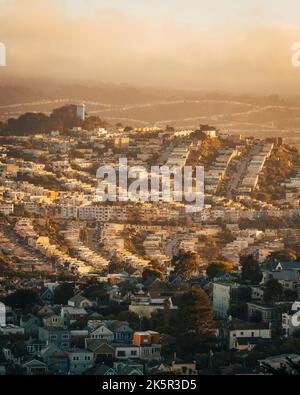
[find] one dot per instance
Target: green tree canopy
(186, 263)
(218, 268)
(194, 311)
(130, 317)
(151, 273)
(63, 293)
(273, 291)
(95, 290)
(286, 255)
(22, 298)
(251, 271)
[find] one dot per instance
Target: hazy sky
(194, 44)
(192, 11)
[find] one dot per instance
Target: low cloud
(111, 46)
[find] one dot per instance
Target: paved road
(165, 155)
(170, 246)
(241, 169)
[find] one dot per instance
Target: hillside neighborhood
(91, 287)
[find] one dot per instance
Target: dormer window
(278, 268)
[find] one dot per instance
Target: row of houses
(255, 167)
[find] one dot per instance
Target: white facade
(80, 361)
(80, 111)
(102, 332)
(248, 333)
(6, 208)
(287, 325)
(126, 352)
(221, 299)
(69, 211)
(101, 213)
(10, 329)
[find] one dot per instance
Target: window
(121, 353)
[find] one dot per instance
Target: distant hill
(141, 106)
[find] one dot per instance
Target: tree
(290, 295)
(167, 307)
(226, 236)
(195, 343)
(194, 311)
(211, 250)
(256, 317)
(251, 272)
(218, 268)
(132, 318)
(94, 291)
(19, 349)
(239, 311)
(242, 294)
(127, 286)
(286, 255)
(80, 324)
(22, 298)
(63, 293)
(152, 273)
(268, 369)
(116, 267)
(93, 122)
(287, 369)
(273, 291)
(186, 263)
(68, 116)
(128, 129)
(5, 263)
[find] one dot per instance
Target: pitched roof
(240, 325)
(78, 298)
(104, 370)
(74, 310)
(244, 341)
(272, 265)
(35, 342)
(50, 348)
(35, 362)
(98, 344)
(46, 290)
(130, 371)
(115, 325)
